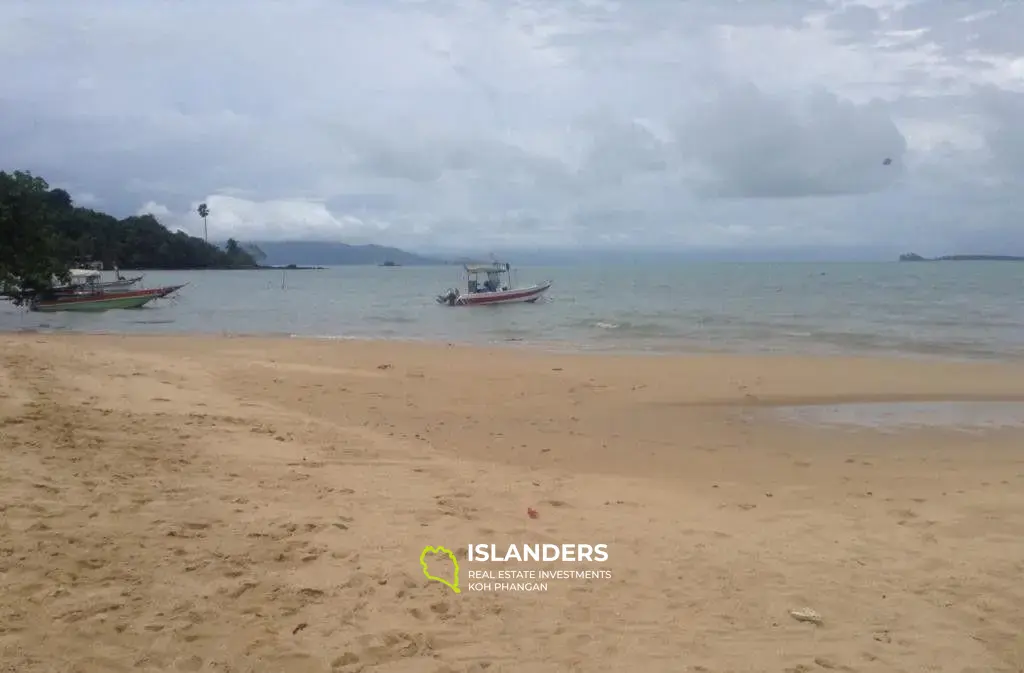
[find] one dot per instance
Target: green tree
(204, 213)
(31, 251)
(43, 234)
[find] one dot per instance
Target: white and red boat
(493, 290)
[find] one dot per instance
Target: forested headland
(43, 234)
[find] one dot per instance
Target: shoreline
(552, 347)
(842, 366)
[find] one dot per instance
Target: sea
(950, 310)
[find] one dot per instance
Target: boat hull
(102, 301)
(526, 295)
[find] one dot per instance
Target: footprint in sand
(349, 660)
(448, 505)
(380, 649)
(192, 663)
(243, 588)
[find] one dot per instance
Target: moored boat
(492, 291)
(99, 300)
(89, 280)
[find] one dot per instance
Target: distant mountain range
(914, 257)
(321, 253)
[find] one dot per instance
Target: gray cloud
(960, 26)
(1004, 132)
(753, 145)
(564, 122)
(855, 19)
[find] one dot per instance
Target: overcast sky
(437, 124)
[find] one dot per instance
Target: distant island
(328, 253)
(914, 257)
(289, 267)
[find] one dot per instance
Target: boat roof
(81, 274)
(494, 267)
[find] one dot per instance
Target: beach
(205, 503)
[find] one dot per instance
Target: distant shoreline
(271, 267)
(912, 257)
(288, 267)
(260, 267)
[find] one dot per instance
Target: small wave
(632, 330)
(394, 337)
(325, 337)
(513, 332)
(392, 319)
(619, 328)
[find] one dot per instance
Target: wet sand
(243, 504)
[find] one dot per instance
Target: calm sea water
(965, 309)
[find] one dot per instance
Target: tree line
(43, 234)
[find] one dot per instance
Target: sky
(460, 125)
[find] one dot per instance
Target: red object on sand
(532, 513)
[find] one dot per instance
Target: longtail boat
(100, 300)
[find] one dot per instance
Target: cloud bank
(462, 125)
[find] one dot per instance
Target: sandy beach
(249, 504)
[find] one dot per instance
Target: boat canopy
(496, 267)
(82, 275)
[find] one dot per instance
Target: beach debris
(806, 615)
(532, 513)
(299, 628)
(384, 366)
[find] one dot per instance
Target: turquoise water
(960, 309)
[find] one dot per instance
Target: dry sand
(241, 504)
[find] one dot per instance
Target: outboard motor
(449, 297)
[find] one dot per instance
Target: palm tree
(204, 212)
